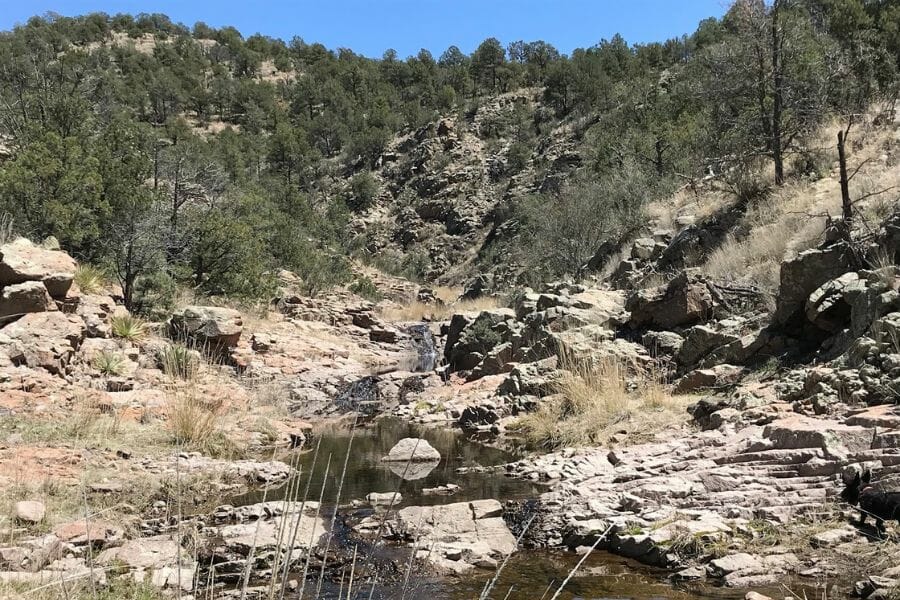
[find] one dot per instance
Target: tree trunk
(778, 99)
(846, 203)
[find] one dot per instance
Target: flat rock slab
(837, 439)
(264, 534)
(461, 535)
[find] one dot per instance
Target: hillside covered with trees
(175, 156)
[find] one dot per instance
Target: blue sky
(371, 26)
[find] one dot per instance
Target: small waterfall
(426, 358)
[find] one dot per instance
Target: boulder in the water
(412, 450)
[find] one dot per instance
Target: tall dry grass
(419, 311)
(197, 423)
(788, 221)
(793, 218)
(594, 400)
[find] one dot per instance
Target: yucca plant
(129, 327)
(109, 363)
(90, 279)
(179, 362)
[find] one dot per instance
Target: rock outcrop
(211, 327)
(22, 261)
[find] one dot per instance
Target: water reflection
(367, 473)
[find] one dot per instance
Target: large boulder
(22, 298)
(46, 339)
(803, 274)
(830, 306)
(470, 339)
(30, 511)
(22, 261)
(686, 300)
(412, 450)
(700, 341)
(211, 326)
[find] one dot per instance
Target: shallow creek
(529, 572)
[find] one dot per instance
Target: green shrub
(155, 295)
(481, 334)
(362, 193)
(366, 288)
(517, 157)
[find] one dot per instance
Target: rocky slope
(443, 186)
(765, 400)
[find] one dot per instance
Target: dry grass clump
(123, 587)
(788, 221)
(419, 311)
(792, 218)
(596, 400)
(90, 279)
(196, 423)
(129, 327)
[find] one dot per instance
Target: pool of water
(529, 574)
(367, 473)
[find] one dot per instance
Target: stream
(529, 572)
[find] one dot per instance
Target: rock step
(772, 457)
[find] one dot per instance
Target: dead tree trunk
(846, 202)
(778, 92)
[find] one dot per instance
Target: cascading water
(426, 353)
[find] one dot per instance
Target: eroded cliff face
(443, 189)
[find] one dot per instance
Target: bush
(517, 157)
(155, 295)
(483, 336)
(362, 193)
(366, 288)
(129, 327)
(812, 162)
(561, 232)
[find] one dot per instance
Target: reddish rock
(718, 376)
(96, 533)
